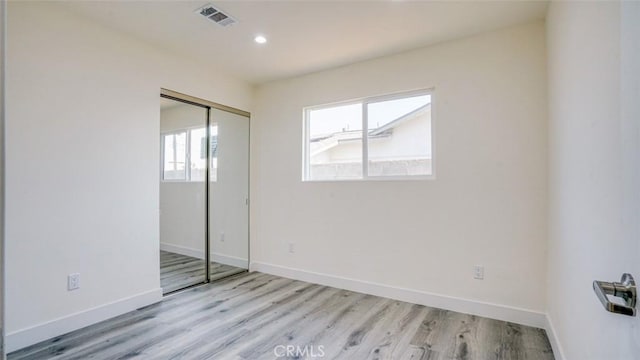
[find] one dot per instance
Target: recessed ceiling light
(260, 39)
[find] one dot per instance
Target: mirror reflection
(192, 223)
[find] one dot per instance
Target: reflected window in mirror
(188, 146)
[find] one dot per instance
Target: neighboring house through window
(375, 138)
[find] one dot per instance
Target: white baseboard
(493, 311)
(230, 260)
(182, 250)
(558, 353)
(19, 339)
(216, 257)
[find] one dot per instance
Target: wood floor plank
(302, 332)
(168, 325)
(248, 315)
(191, 301)
(247, 332)
(290, 329)
(395, 324)
(179, 271)
(53, 345)
(226, 328)
(405, 328)
(414, 352)
(344, 332)
(357, 339)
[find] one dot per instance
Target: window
(375, 138)
(188, 146)
(175, 152)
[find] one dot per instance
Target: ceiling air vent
(216, 15)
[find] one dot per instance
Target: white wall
(487, 205)
(594, 143)
(82, 110)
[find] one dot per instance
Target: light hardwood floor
(179, 271)
(248, 315)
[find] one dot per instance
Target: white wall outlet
(292, 247)
(222, 236)
(478, 272)
(73, 281)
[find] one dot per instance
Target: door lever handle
(625, 289)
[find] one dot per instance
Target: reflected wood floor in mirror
(179, 271)
(248, 316)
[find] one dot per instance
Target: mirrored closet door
(229, 194)
(204, 191)
(183, 198)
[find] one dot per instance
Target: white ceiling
(303, 36)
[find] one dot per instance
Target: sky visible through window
(349, 117)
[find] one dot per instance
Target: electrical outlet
(478, 272)
(222, 236)
(292, 247)
(73, 281)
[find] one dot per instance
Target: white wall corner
(558, 353)
(19, 339)
(467, 306)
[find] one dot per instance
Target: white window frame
(365, 138)
(187, 164)
(187, 160)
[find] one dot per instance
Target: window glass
(198, 154)
(214, 153)
(399, 137)
(175, 146)
(335, 142)
(176, 155)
